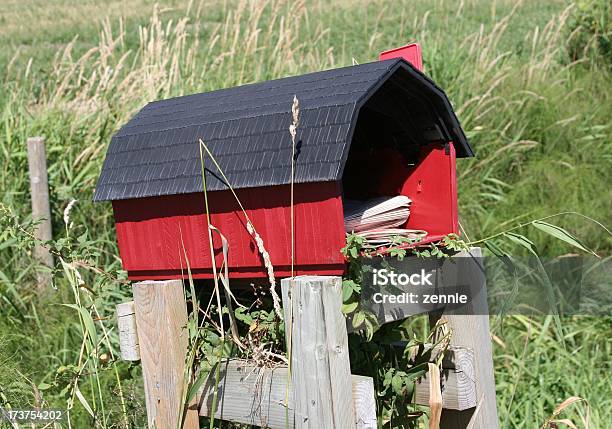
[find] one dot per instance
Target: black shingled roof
(246, 128)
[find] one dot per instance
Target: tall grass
(538, 118)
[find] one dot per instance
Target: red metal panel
(154, 233)
(411, 53)
(432, 186)
(279, 272)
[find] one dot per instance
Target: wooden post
(39, 191)
(320, 366)
(128, 336)
(471, 329)
(161, 318)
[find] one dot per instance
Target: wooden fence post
(161, 318)
(39, 191)
(320, 366)
(470, 329)
(128, 337)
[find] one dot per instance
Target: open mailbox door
(432, 183)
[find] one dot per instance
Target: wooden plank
(320, 366)
(248, 394)
(128, 336)
(161, 317)
(41, 212)
(457, 376)
(364, 398)
(256, 396)
(471, 329)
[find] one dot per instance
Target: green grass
(532, 363)
(540, 126)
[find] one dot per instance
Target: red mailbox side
(154, 234)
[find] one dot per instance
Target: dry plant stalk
(254, 234)
(552, 421)
(295, 114)
(218, 276)
(435, 396)
(269, 267)
(229, 296)
(211, 248)
(441, 336)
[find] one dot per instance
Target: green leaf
(561, 234)
(502, 255)
(398, 253)
(358, 319)
(388, 376)
(523, 241)
(409, 389)
(350, 307)
(82, 238)
(242, 316)
(65, 390)
(44, 386)
(347, 292)
(197, 384)
(90, 327)
(351, 285)
(369, 328)
(417, 371)
(8, 243)
(83, 401)
(425, 253)
(397, 383)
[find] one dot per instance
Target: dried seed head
(67, 212)
(295, 111)
(268, 264)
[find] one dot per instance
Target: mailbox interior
(399, 147)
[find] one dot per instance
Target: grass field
(534, 101)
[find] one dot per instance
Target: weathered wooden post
(128, 336)
(41, 212)
(470, 328)
(161, 319)
(320, 366)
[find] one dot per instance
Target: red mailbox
(376, 129)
